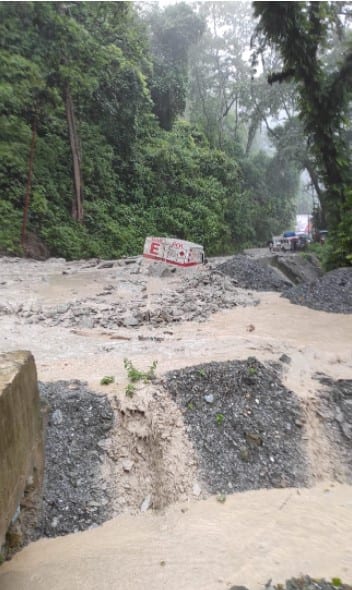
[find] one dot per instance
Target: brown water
(203, 544)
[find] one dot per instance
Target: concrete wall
(21, 434)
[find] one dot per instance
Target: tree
(173, 32)
(301, 31)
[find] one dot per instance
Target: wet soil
(152, 455)
(335, 411)
(246, 428)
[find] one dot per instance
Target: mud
(151, 459)
(334, 409)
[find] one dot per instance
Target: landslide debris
(299, 268)
(331, 293)
(253, 274)
(304, 583)
(245, 425)
(75, 495)
(335, 411)
(185, 298)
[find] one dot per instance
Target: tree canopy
(120, 120)
(304, 34)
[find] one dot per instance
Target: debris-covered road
(252, 392)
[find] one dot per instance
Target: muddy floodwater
(167, 524)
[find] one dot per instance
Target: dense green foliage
(101, 89)
(305, 34)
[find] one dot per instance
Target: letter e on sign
(154, 248)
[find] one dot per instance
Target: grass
(219, 419)
(130, 390)
(135, 374)
(107, 380)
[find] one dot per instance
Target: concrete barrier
(21, 434)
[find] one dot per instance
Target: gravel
(331, 293)
(253, 274)
(335, 410)
(74, 495)
(184, 296)
(304, 583)
(190, 298)
(245, 425)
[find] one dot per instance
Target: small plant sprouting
(337, 582)
(219, 419)
(130, 390)
(252, 371)
(190, 406)
(201, 372)
(107, 380)
(135, 374)
(151, 371)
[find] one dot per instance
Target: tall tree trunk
(77, 203)
(27, 197)
(253, 127)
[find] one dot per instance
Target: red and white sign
(173, 251)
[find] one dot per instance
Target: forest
(120, 120)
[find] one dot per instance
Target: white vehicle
(173, 251)
(276, 244)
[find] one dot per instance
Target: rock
(230, 284)
(284, 358)
(299, 423)
(339, 415)
(57, 417)
(127, 465)
(131, 321)
(228, 299)
(50, 313)
(347, 430)
(14, 536)
(244, 454)
(130, 260)
(253, 439)
(209, 398)
(87, 323)
(197, 490)
(106, 265)
(63, 308)
(146, 504)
